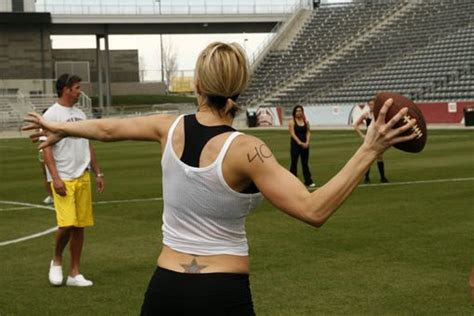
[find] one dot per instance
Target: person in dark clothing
(300, 138)
(367, 117)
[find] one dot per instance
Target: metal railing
(156, 7)
(13, 108)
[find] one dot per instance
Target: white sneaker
(312, 185)
(55, 274)
(78, 280)
(48, 200)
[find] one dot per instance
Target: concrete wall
(128, 88)
(123, 63)
(21, 54)
(6, 5)
(138, 88)
(29, 5)
(28, 86)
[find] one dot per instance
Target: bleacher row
(10, 118)
(423, 49)
(437, 67)
(326, 28)
(14, 107)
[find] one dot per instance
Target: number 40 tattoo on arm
(261, 152)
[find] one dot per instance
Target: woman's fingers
(30, 127)
(397, 117)
(387, 130)
(402, 129)
(384, 110)
(36, 136)
(32, 117)
(34, 121)
(402, 139)
(394, 137)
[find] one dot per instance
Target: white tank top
(202, 215)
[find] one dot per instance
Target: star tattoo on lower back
(193, 267)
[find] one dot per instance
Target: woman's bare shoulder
(246, 140)
(164, 118)
(248, 149)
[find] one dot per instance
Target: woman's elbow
(317, 221)
(105, 133)
(314, 218)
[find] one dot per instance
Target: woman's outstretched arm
(287, 193)
(148, 128)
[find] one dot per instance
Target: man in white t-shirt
(67, 164)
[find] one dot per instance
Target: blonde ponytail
(232, 107)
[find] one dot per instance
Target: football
(399, 101)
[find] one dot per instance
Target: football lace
(414, 128)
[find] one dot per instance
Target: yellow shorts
(75, 209)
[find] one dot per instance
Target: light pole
(159, 6)
(162, 59)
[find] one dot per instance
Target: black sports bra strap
(196, 137)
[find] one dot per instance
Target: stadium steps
(416, 74)
(314, 69)
(388, 50)
(334, 26)
(408, 34)
(12, 111)
(284, 33)
(13, 108)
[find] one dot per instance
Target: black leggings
(175, 293)
(296, 151)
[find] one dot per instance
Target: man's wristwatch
(99, 175)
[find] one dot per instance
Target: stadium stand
(14, 107)
(12, 110)
(435, 68)
(345, 54)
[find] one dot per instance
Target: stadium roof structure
(66, 24)
(160, 17)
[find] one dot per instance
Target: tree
(169, 62)
(142, 67)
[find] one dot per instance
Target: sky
(187, 47)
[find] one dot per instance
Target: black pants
(296, 151)
(175, 293)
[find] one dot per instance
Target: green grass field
(400, 249)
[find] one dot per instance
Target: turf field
(405, 248)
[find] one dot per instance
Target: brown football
(399, 102)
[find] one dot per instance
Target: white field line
(14, 241)
(29, 205)
(418, 182)
(128, 201)
(17, 208)
(53, 229)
